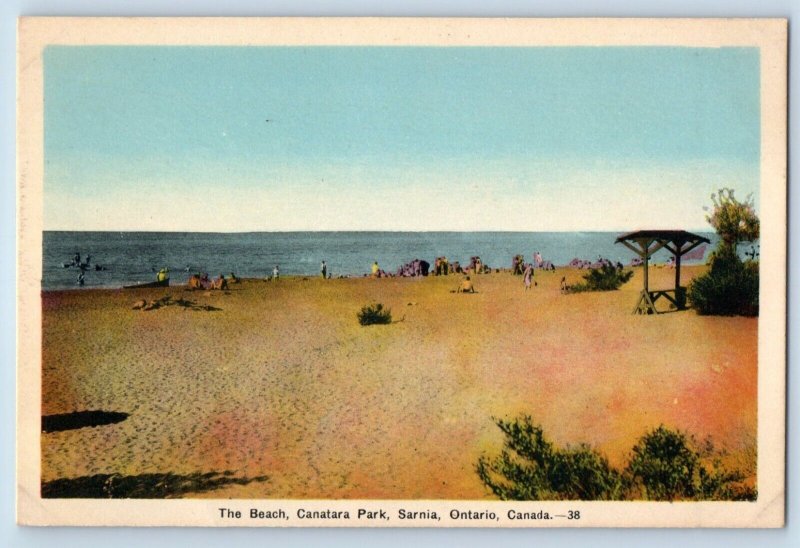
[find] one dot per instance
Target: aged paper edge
(770, 35)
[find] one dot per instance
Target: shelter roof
(677, 236)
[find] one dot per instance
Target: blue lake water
(133, 257)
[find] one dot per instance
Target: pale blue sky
(159, 138)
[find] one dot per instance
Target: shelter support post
(647, 242)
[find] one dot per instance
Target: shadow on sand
(191, 305)
(80, 419)
(167, 300)
(143, 486)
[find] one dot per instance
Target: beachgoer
(194, 282)
(424, 267)
(76, 260)
(276, 272)
(375, 269)
(233, 278)
(537, 258)
(220, 283)
(466, 286)
(528, 275)
(80, 278)
(564, 286)
(324, 270)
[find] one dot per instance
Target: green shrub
(606, 278)
(664, 465)
(730, 287)
(582, 473)
(374, 314)
(531, 468)
(667, 465)
(721, 484)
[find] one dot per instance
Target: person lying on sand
(466, 286)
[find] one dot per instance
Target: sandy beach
(278, 381)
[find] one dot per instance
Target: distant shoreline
(619, 231)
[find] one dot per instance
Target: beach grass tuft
(374, 314)
(606, 278)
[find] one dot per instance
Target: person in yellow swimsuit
(466, 286)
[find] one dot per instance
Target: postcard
(401, 272)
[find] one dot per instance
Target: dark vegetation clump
(532, 468)
(374, 314)
(667, 465)
(729, 288)
(606, 278)
(664, 465)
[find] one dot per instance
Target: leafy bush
(664, 465)
(730, 287)
(531, 468)
(374, 314)
(667, 465)
(606, 278)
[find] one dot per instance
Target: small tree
(734, 221)
(731, 286)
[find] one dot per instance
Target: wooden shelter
(646, 242)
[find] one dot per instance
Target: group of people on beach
(202, 281)
(441, 267)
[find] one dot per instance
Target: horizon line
(622, 230)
